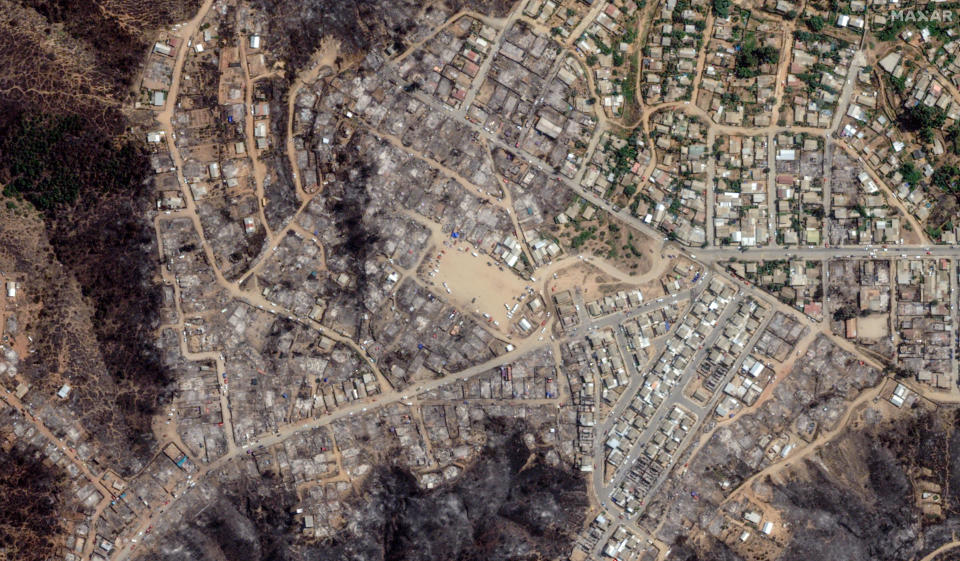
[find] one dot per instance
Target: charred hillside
(358, 25)
(92, 273)
(89, 187)
(509, 505)
(29, 510)
(860, 497)
(115, 31)
(65, 150)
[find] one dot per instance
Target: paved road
(636, 380)
(812, 253)
(708, 253)
(676, 397)
(712, 255)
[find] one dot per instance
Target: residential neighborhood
(628, 277)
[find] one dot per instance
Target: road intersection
(712, 256)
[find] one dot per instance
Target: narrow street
(711, 257)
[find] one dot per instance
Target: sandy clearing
(874, 326)
(473, 285)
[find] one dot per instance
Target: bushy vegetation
(721, 8)
(923, 120)
(910, 173)
(899, 84)
(625, 156)
(49, 159)
(944, 176)
(892, 29)
(583, 236)
(808, 37)
(952, 136)
(815, 23)
(752, 56)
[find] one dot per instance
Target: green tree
(943, 177)
(923, 120)
(751, 57)
(815, 23)
(925, 116)
(899, 84)
(910, 173)
(48, 160)
(721, 8)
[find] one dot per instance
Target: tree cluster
(721, 8)
(923, 120)
(751, 57)
(48, 160)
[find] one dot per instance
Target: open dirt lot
(474, 285)
(873, 326)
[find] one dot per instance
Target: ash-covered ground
(358, 25)
(361, 28)
(859, 497)
(66, 150)
(29, 507)
(509, 505)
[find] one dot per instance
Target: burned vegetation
(887, 491)
(64, 148)
(359, 26)
(509, 505)
(29, 510)
(278, 188)
(114, 30)
(362, 29)
(347, 205)
(90, 191)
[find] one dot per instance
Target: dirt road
(805, 451)
(323, 58)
